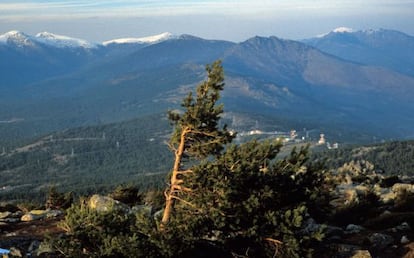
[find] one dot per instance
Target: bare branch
(182, 200)
(188, 171)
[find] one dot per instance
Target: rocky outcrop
(104, 204)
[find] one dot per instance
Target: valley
(78, 84)
(120, 91)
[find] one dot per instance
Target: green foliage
(357, 211)
(197, 134)
(201, 117)
(127, 194)
(230, 200)
(102, 234)
(131, 152)
(246, 196)
(391, 158)
(57, 200)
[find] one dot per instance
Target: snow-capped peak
(62, 41)
(343, 30)
(16, 37)
(145, 40)
(337, 30)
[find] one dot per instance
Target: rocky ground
(23, 238)
(373, 218)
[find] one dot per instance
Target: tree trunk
(174, 183)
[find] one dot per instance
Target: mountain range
(343, 82)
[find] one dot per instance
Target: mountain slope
(387, 48)
(327, 88)
(271, 76)
(27, 59)
(103, 156)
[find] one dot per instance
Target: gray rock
(105, 203)
(403, 227)
(142, 209)
(404, 240)
(353, 229)
(11, 220)
(53, 213)
(380, 241)
(310, 226)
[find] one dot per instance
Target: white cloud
(145, 8)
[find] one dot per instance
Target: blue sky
(99, 20)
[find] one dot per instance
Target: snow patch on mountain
(60, 41)
(21, 39)
(343, 30)
(337, 30)
(145, 40)
(17, 38)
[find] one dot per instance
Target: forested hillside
(88, 159)
(391, 158)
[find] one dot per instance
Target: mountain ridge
(386, 48)
(268, 75)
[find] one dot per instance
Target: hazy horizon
(103, 20)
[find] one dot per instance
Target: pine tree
(197, 134)
(241, 198)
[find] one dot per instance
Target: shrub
(90, 233)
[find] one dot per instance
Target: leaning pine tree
(239, 199)
(196, 136)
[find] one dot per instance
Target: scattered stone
(53, 213)
(14, 252)
(105, 203)
(5, 214)
(30, 217)
(400, 187)
(380, 241)
(310, 226)
(11, 220)
(353, 229)
(403, 227)
(361, 254)
(40, 214)
(142, 209)
(404, 240)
